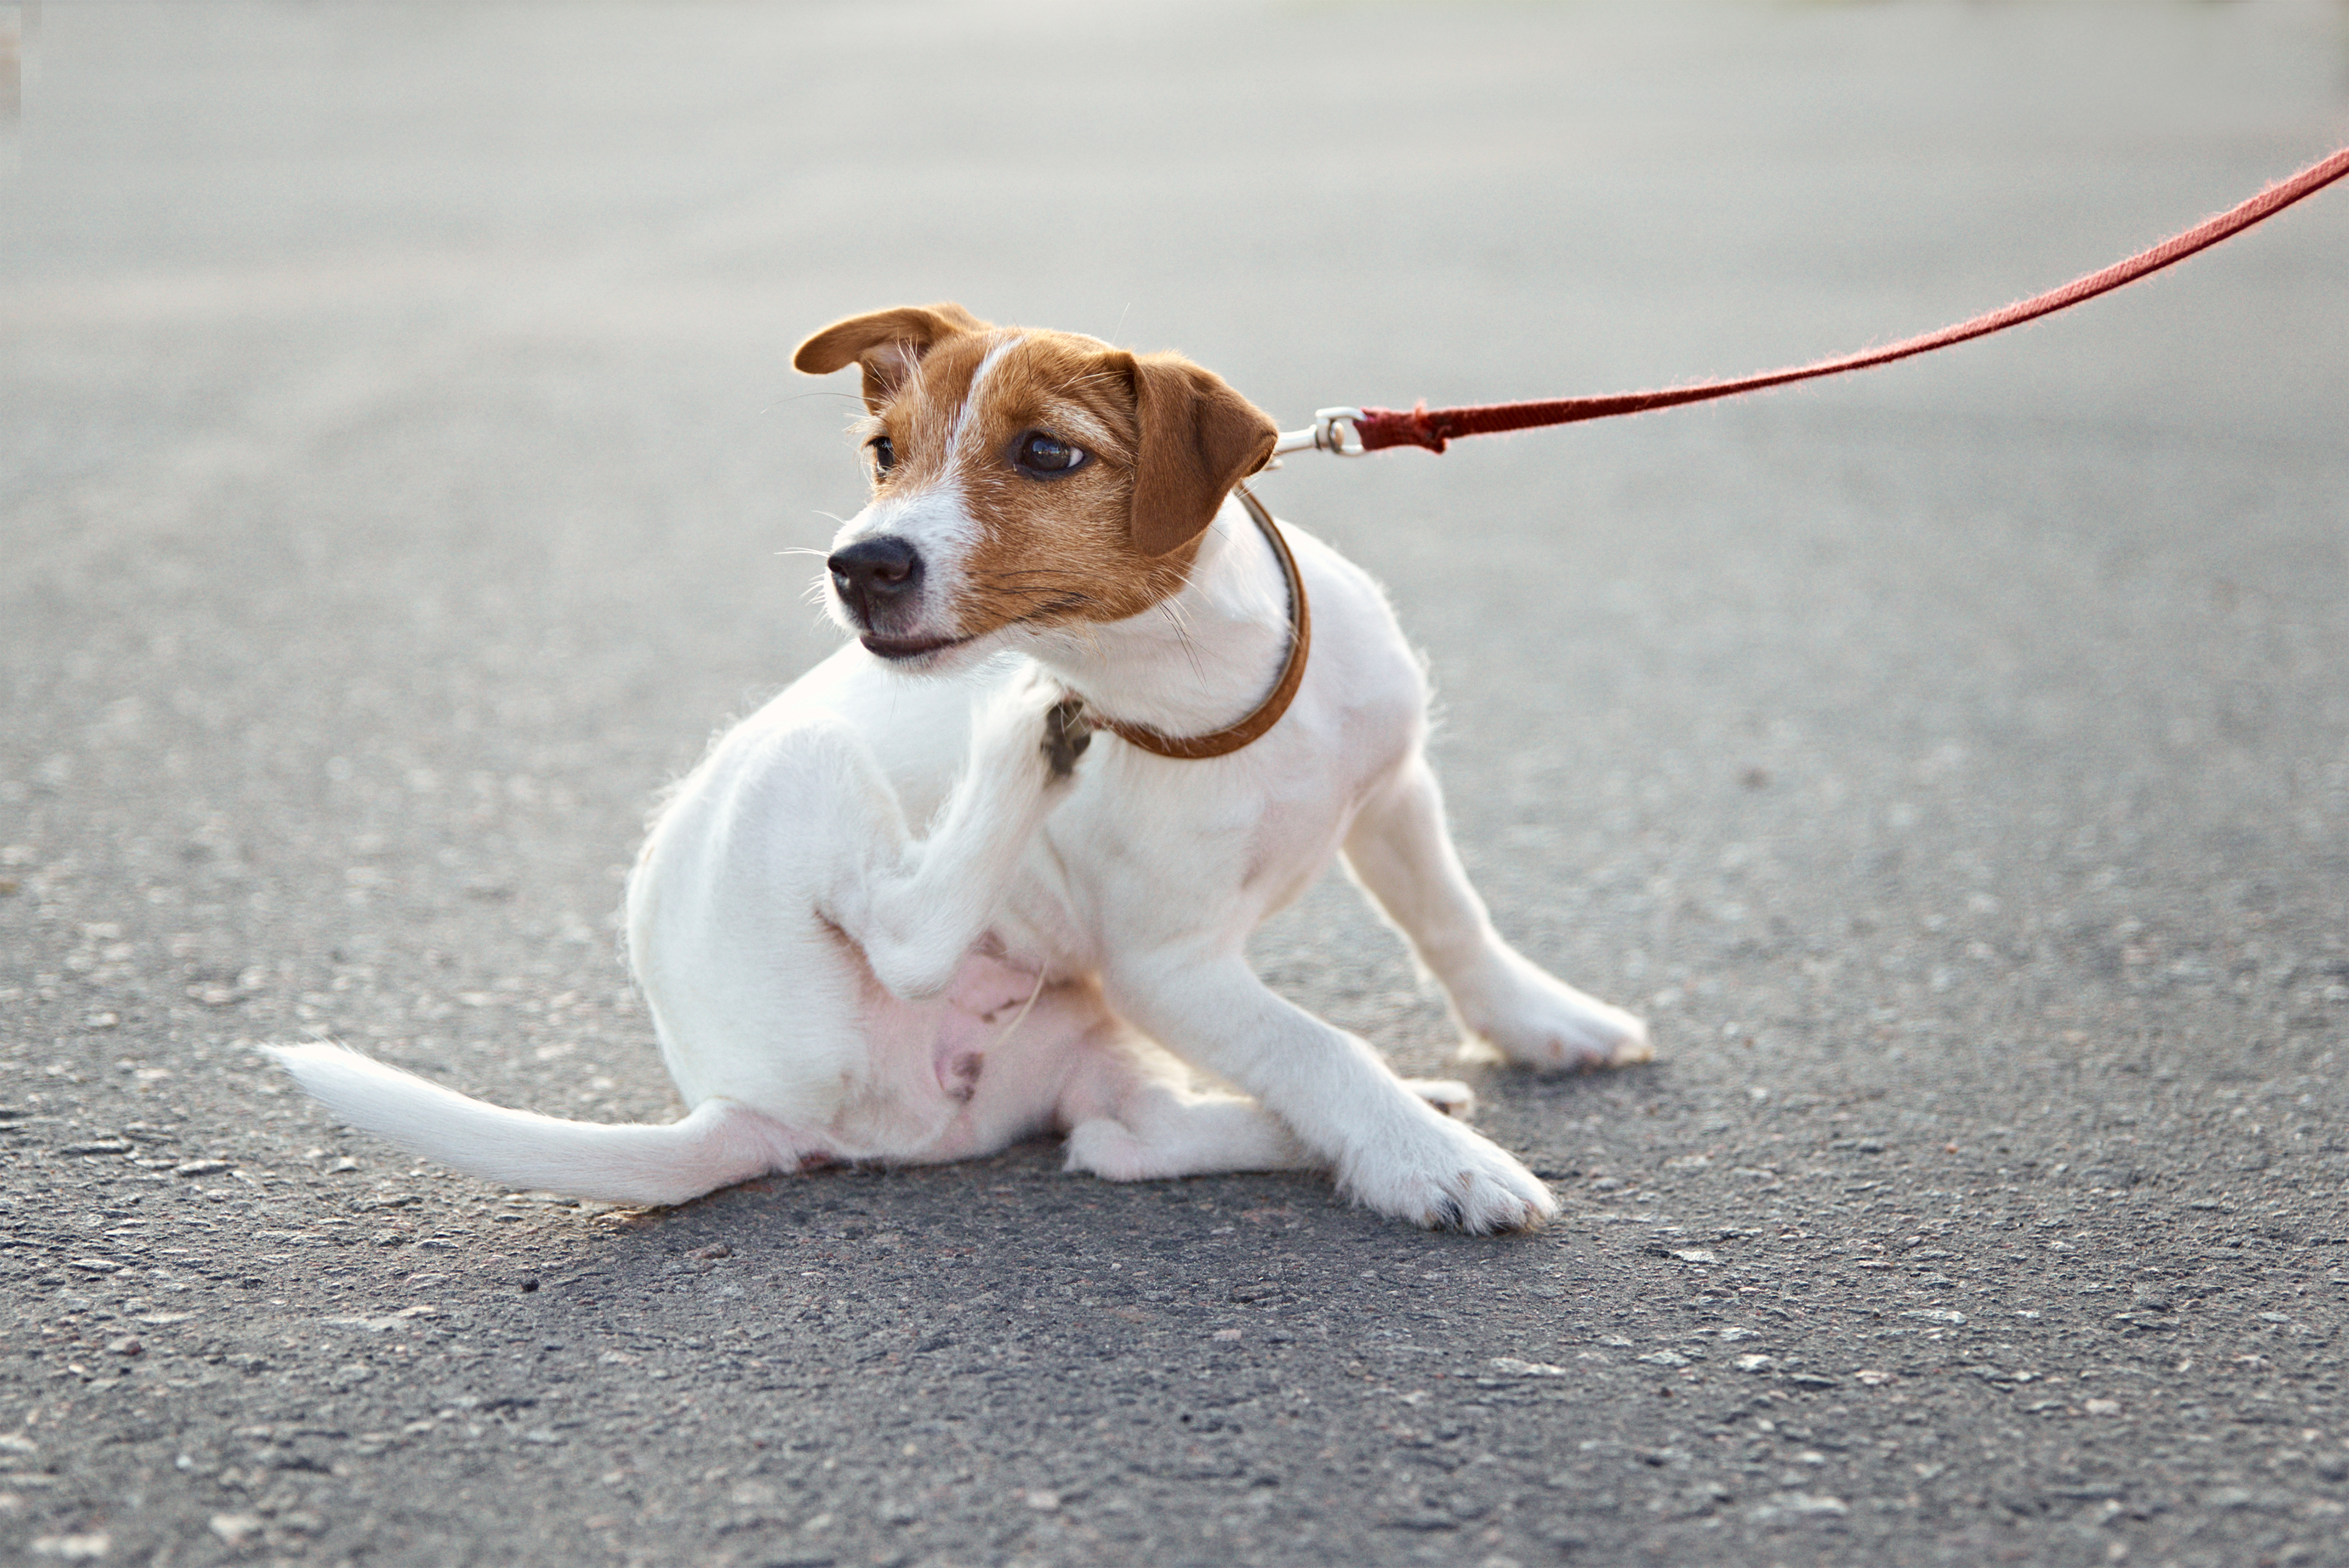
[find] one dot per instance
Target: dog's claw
(1067, 732)
(1634, 1049)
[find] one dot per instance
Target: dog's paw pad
(1067, 730)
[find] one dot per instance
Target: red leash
(1373, 429)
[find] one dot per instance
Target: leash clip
(1333, 429)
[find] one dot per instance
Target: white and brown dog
(1054, 552)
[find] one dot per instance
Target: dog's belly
(969, 1072)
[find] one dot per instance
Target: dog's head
(1021, 480)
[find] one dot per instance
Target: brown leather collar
(1225, 742)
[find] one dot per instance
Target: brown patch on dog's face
(1045, 464)
(1045, 479)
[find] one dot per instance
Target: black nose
(875, 574)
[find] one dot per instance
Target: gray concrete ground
(398, 449)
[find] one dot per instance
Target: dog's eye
(884, 454)
(1042, 456)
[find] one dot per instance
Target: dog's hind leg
(1450, 1096)
(1400, 852)
(1170, 1132)
(782, 881)
(1132, 1118)
(915, 906)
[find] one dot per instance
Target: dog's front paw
(1448, 1177)
(1538, 1020)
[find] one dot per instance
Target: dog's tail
(721, 1142)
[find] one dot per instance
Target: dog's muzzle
(879, 582)
(876, 578)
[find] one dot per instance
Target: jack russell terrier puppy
(1055, 560)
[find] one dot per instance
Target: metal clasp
(1333, 431)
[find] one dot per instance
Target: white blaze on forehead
(967, 417)
(932, 519)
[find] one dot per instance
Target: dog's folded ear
(887, 343)
(1198, 439)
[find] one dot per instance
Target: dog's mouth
(897, 649)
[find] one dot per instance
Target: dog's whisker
(1175, 618)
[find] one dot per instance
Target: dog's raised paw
(1067, 730)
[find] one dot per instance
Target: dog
(1056, 587)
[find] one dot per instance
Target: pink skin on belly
(987, 995)
(971, 1070)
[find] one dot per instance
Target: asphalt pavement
(399, 473)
